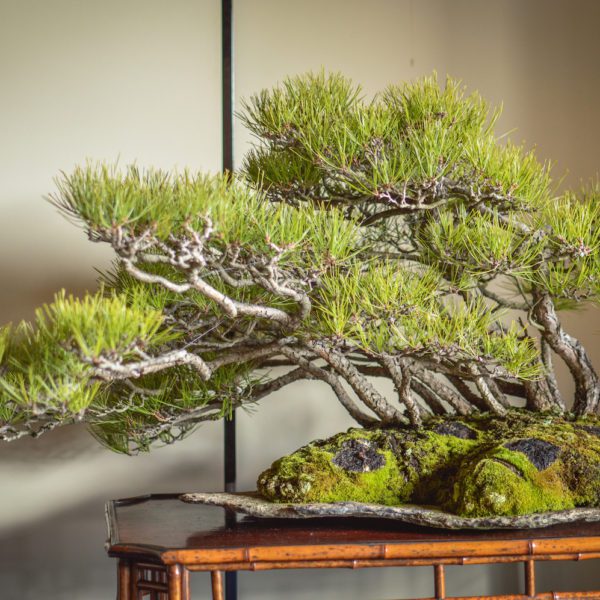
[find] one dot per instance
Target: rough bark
(571, 351)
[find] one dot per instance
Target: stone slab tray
(250, 503)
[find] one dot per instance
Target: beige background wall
(139, 80)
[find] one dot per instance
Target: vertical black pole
(227, 76)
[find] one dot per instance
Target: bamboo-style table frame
(160, 540)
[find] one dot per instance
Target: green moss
(582, 469)
(481, 465)
(433, 458)
(310, 475)
(504, 482)
(413, 463)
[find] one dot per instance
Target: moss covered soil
(475, 466)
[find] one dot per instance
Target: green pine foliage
(480, 246)
(170, 205)
(48, 365)
(572, 268)
(399, 227)
(407, 138)
(412, 313)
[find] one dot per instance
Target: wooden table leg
(217, 585)
(123, 580)
(440, 582)
(134, 574)
(186, 584)
(530, 578)
(179, 583)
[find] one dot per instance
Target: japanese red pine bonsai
(390, 238)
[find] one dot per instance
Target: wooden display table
(159, 540)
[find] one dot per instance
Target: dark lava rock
(358, 456)
(539, 452)
(456, 429)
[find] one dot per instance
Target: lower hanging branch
(486, 393)
(400, 374)
(444, 392)
(497, 392)
(358, 382)
(38, 423)
(116, 368)
(334, 382)
(261, 390)
(173, 427)
(429, 397)
(466, 392)
(112, 370)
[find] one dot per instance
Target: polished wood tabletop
(160, 529)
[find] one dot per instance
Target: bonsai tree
(396, 237)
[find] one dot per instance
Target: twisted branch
(571, 351)
(361, 386)
(401, 375)
(336, 385)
